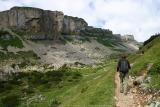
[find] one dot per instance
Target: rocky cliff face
(36, 23)
(73, 25)
(127, 38)
(40, 24)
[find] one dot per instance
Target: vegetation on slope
(25, 84)
(23, 58)
(18, 55)
(104, 37)
(149, 57)
(64, 87)
(7, 39)
(87, 86)
(151, 39)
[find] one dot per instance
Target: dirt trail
(124, 100)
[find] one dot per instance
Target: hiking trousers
(123, 82)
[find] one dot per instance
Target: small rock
(144, 86)
(140, 79)
(134, 91)
(154, 104)
(148, 79)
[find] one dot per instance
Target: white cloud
(138, 17)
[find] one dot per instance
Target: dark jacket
(123, 65)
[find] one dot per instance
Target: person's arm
(118, 65)
(129, 66)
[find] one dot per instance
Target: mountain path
(122, 100)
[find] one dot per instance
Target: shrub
(28, 57)
(35, 78)
(10, 101)
(6, 56)
(28, 54)
(47, 85)
(76, 75)
(155, 69)
(23, 64)
(14, 81)
(28, 90)
(4, 86)
(54, 74)
(84, 89)
(9, 41)
(55, 103)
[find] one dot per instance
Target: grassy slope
(12, 41)
(151, 55)
(9, 38)
(95, 88)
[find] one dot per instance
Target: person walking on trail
(123, 67)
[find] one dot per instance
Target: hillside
(145, 73)
(147, 56)
(69, 49)
(59, 39)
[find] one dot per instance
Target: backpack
(123, 67)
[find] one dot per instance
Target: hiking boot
(125, 93)
(121, 91)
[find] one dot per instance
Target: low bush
(4, 86)
(55, 103)
(11, 100)
(28, 90)
(7, 39)
(155, 69)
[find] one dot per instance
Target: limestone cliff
(73, 25)
(128, 38)
(40, 24)
(36, 23)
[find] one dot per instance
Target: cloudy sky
(138, 17)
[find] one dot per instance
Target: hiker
(123, 67)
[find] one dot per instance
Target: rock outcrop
(127, 38)
(35, 23)
(96, 32)
(40, 24)
(73, 25)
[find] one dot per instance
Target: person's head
(123, 56)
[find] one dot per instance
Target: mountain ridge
(41, 24)
(46, 24)
(58, 39)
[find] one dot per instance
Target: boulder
(139, 80)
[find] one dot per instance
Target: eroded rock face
(19, 17)
(40, 24)
(127, 38)
(73, 25)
